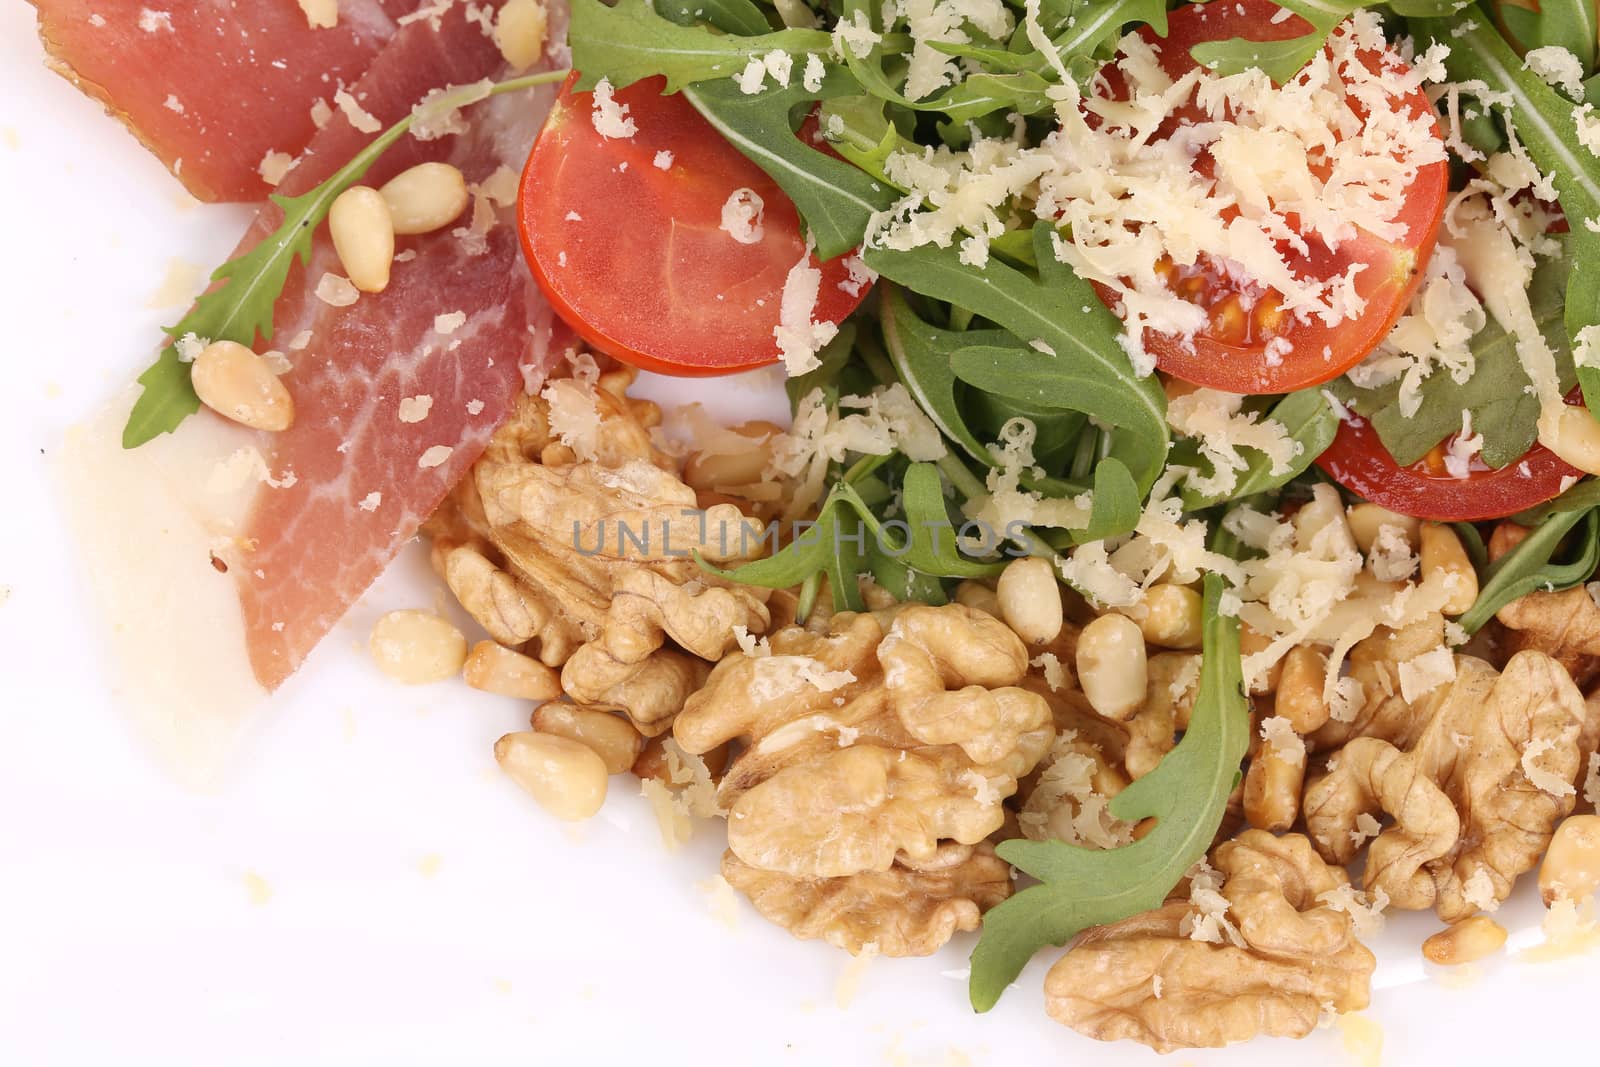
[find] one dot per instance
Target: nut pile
(868, 762)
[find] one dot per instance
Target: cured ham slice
(396, 395)
(212, 87)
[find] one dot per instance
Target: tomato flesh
(633, 255)
(1358, 461)
(1250, 345)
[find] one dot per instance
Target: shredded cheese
(741, 216)
(611, 119)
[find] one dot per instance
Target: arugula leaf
(1531, 566)
(856, 128)
(1282, 60)
(846, 531)
(1503, 411)
(1088, 371)
(1581, 497)
(1569, 24)
(240, 306)
(921, 357)
(730, 16)
(1187, 794)
(1116, 509)
(629, 42)
(1310, 420)
(835, 199)
(1546, 125)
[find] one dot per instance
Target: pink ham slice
(462, 325)
(212, 86)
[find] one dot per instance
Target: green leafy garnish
(1531, 567)
(847, 533)
(1186, 794)
(729, 16)
(1310, 420)
(1545, 123)
(1569, 24)
(1279, 60)
(921, 355)
(835, 199)
(629, 42)
(239, 308)
(1081, 366)
(1503, 411)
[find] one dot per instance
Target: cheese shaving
(611, 119)
(1541, 778)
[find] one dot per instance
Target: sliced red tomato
(1231, 353)
(1358, 461)
(633, 255)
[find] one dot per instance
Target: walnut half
(1143, 979)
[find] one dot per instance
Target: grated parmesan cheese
(1366, 915)
(1557, 67)
(371, 501)
(415, 408)
(1422, 674)
(611, 119)
(1056, 674)
(1287, 745)
(1216, 423)
(354, 113)
(855, 35)
(450, 323)
(337, 291)
(800, 337)
(435, 456)
(663, 160)
(1367, 827)
(574, 416)
(1390, 558)
(274, 165)
(741, 216)
(811, 77)
(1478, 890)
(173, 104)
(1132, 201)
(1542, 779)
(155, 21)
(1209, 920)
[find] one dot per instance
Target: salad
(1189, 498)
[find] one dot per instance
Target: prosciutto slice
(213, 86)
(461, 328)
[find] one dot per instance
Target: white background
(364, 887)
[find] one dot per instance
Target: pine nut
(1466, 942)
(1252, 642)
(1112, 669)
(1367, 519)
(611, 737)
(1574, 436)
(1030, 600)
(727, 470)
(239, 385)
(1443, 554)
(1571, 867)
(977, 596)
(1172, 617)
(566, 777)
(1299, 693)
(428, 197)
(417, 647)
(520, 32)
(1275, 779)
(1505, 537)
(363, 235)
(497, 669)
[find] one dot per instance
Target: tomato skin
(632, 256)
(1320, 353)
(1358, 461)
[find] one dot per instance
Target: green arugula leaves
(848, 537)
(1281, 60)
(1077, 362)
(239, 307)
(1311, 421)
(1531, 567)
(1186, 795)
(1496, 394)
(1546, 124)
(629, 42)
(836, 199)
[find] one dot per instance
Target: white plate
(419, 908)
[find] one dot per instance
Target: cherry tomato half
(1358, 461)
(625, 238)
(1231, 353)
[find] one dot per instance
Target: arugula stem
(963, 479)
